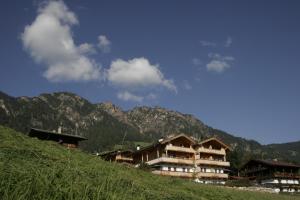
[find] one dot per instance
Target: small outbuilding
(68, 140)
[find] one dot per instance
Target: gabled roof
(166, 140)
(41, 132)
(178, 136)
(273, 163)
(217, 140)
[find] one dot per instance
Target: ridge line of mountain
(106, 124)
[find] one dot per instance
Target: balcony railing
(173, 173)
(173, 160)
(180, 149)
(190, 174)
(211, 175)
(212, 151)
(123, 158)
(286, 175)
(212, 162)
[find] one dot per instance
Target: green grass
(33, 169)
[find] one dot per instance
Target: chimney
(59, 130)
(138, 147)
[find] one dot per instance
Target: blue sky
(233, 64)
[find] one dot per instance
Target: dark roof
(115, 152)
(275, 163)
(36, 131)
(148, 147)
(217, 140)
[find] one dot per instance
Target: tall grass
(34, 169)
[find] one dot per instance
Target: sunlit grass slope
(33, 169)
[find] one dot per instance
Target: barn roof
(273, 163)
(35, 132)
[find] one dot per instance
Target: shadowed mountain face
(107, 125)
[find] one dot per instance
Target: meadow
(34, 169)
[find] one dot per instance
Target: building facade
(211, 163)
(182, 156)
(281, 176)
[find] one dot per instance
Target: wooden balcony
(174, 160)
(180, 149)
(173, 173)
(123, 158)
(212, 151)
(211, 175)
(212, 162)
(286, 175)
(191, 175)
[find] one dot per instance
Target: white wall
(177, 168)
(211, 170)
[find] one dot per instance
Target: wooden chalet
(212, 166)
(182, 156)
(281, 176)
(173, 156)
(68, 140)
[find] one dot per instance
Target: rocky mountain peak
(106, 124)
(110, 107)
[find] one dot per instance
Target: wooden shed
(67, 140)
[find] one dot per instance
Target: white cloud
(228, 42)
(87, 48)
(219, 63)
(104, 44)
(137, 73)
(217, 66)
(196, 61)
(207, 43)
(127, 96)
(187, 85)
(49, 41)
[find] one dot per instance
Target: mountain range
(108, 126)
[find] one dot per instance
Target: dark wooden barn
(67, 140)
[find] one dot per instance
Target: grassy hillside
(33, 169)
